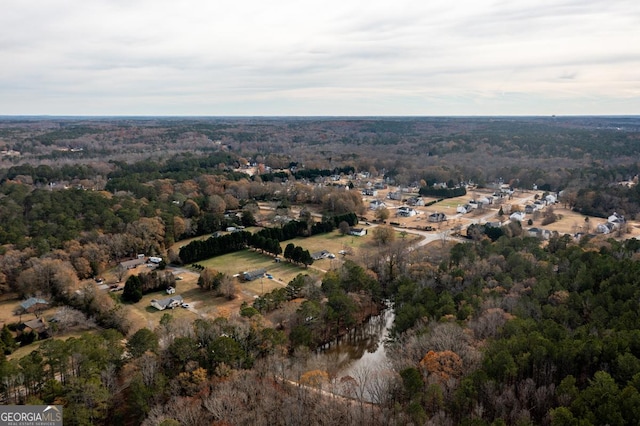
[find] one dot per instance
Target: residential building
(33, 304)
(254, 275)
(169, 302)
(406, 211)
(359, 232)
(437, 217)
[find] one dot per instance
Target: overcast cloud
(391, 57)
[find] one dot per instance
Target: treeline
(297, 254)
(265, 239)
(214, 246)
(138, 285)
(43, 174)
(179, 167)
(427, 191)
(308, 174)
(602, 202)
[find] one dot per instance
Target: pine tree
(132, 289)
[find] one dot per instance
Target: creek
(359, 352)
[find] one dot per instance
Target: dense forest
(500, 328)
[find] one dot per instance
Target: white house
(518, 216)
(616, 219)
(376, 204)
(406, 211)
(416, 201)
(605, 228)
(358, 232)
(463, 209)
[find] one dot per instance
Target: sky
(319, 58)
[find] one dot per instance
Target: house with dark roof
(131, 264)
(415, 201)
(395, 195)
(254, 275)
(437, 217)
(38, 326)
(543, 234)
(169, 302)
(320, 255)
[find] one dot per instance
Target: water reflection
(362, 348)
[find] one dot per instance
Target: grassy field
(247, 260)
(7, 308)
(569, 222)
(332, 241)
(449, 204)
(205, 304)
(176, 246)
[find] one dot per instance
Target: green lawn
(248, 260)
(332, 241)
(450, 203)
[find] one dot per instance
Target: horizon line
(129, 116)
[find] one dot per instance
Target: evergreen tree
(132, 289)
(288, 251)
(7, 342)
